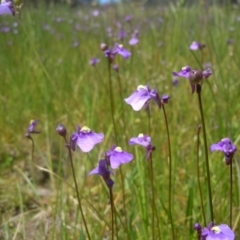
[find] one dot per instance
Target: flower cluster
(6, 7)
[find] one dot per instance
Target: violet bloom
(116, 50)
(165, 98)
(94, 61)
(128, 18)
(116, 157)
(32, 125)
(31, 129)
(141, 97)
(134, 40)
(85, 138)
(196, 46)
(7, 8)
(216, 232)
(103, 171)
(227, 147)
(122, 34)
(194, 76)
(145, 141)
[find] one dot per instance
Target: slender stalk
(206, 151)
(198, 175)
(32, 159)
(153, 202)
(154, 207)
(76, 188)
(170, 173)
(116, 138)
(111, 99)
(230, 197)
(112, 210)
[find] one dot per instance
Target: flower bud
(61, 130)
(104, 46)
(195, 76)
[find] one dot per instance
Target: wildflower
(61, 130)
(85, 138)
(117, 49)
(103, 171)
(128, 18)
(175, 82)
(122, 34)
(31, 127)
(165, 98)
(94, 61)
(6, 7)
(196, 46)
(145, 141)
(116, 157)
(134, 40)
(227, 147)
(116, 67)
(215, 232)
(194, 76)
(142, 96)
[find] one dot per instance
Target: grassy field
(45, 75)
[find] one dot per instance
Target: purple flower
(194, 76)
(165, 98)
(31, 127)
(94, 61)
(175, 82)
(7, 8)
(215, 232)
(85, 138)
(103, 171)
(227, 147)
(145, 141)
(117, 49)
(133, 41)
(128, 18)
(116, 156)
(196, 46)
(141, 97)
(122, 34)
(185, 72)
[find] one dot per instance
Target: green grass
(44, 77)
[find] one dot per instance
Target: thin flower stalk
(230, 195)
(206, 151)
(170, 173)
(62, 131)
(112, 211)
(198, 176)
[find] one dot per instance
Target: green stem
(206, 151)
(116, 138)
(170, 174)
(153, 202)
(230, 197)
(112, 100)
(112, 210)
(76, 188)
(198, 176)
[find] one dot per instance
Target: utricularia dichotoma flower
(193, 75)
(85, 138)
(196, 46)
(6, 7)
(142, 96)
(227, 147)
(116, 157)
(118, 49)
(102, 170)
(31, 128)
(94, 61)
(134, 39)
(214, 232)
(145, 141)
